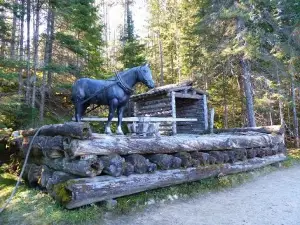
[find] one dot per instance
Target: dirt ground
(270, 200)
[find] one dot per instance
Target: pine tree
(132, 52)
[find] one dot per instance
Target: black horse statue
(114, 92)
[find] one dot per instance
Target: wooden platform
(139, 119)
(101, 144)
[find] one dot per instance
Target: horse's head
(145, 76)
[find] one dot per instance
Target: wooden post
(134, 109)
(211, 122)
(173, 102)
(205, 112)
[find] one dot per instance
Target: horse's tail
(74, 91)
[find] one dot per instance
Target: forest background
(244, 53)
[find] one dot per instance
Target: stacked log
(78, 167)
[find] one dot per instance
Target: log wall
(190, 108)
(161, 106)
(156, 106)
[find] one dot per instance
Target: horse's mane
(121, 73)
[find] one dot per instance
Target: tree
(132, 52)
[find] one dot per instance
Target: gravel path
(273, 199)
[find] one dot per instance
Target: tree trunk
(295, 118)
(225, 104)
(281, 115)
(245, 64)
(28, 83)
(161, 57)
(20, 92)
(13, 31)
(51, 39)
(35, 55)
(46, 63)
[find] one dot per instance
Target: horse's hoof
(108, 132)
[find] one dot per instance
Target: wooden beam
(190, 96)
(276, 129)
(173, 103)
(205, 112)
(106, 187)
(211, 122)
(139, 119)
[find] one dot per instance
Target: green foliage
(83, 34)
(132, 53)
(16, 115)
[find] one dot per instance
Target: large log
(51, 147)
(32, 174)
(277, 129)
(140, 163)
(113, 165)
(58, 177)
(165, 162)
(100, 188)
(86, 168)
(124, 145)
(70, 129)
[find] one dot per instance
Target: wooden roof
(187, 85)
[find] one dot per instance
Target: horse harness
(119, 82)
(123, 85)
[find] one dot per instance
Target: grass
(31, 206)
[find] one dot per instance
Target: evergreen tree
(132, 52)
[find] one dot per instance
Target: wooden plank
(190, 96)
(173, 103)
(157, 114)
(138, 119)
(151, 102)
(154, 110)
(205, 112)
(106, 187)
(212, 119)
(158, 105)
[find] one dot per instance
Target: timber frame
(176, 101)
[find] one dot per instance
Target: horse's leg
(112, 108)
(78, 112)
(120, 117)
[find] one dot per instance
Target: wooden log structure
(47, 146)
(124, 145)
(89, 167)
(276, 129)
(79, 130)
(100, 188)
